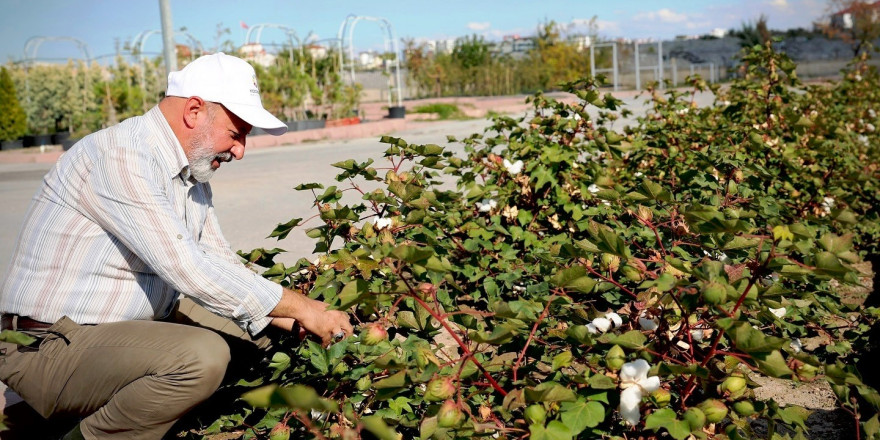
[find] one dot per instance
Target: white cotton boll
(796, 345)
(593, 189)
(872, 113)
(638, 174)
(683, 111)
(383, 223)
(592, 328)
(870, 127)
(814, 113)
(630, 399)
(858, 77)
(863, 139)
(779, 313)
(725, 103)
(647, 324)
(486, 205)
(650, 384)
(634, 371)
(697, 335)
(602, 324)
(615, 318)
(513, 168)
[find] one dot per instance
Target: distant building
(317, 51)
(514, 45)
(718, 33)
(441, 46)
(257, 53)
(845, 18)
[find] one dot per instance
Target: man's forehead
(240, 125)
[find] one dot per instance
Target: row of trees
(81, 98)
(472, 69)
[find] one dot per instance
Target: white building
(256, 53)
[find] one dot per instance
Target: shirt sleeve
(125, 195)
(212, 241)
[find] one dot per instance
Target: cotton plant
(513, 167)
(604, 323)
(486, 205)
(635, 383)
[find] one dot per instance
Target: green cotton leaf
(828, 263)
(14, 337)
(308, 186)
(752, 340)
(412, 254)
(739, 242)
(836, 244)
(654, 191)
(264, 397)
(283, 229)
(601, 382)
(549, 392)
(396, 380)
(561, 360)
(379, 428)
(580, 415)
(352, 293)
(795, 415)
(500, 334)
(555, 430)
(782, 232)
(280, 362)
(318, 357)
(772, 364)
(665, 418)
(633, 339)
(574, 278)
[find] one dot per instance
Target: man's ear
(194, 108)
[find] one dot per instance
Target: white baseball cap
(227, 80)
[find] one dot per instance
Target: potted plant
(13, 121)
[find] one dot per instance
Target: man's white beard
(201, 155)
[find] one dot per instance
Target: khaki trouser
(130, 379)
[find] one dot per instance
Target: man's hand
(329, 325)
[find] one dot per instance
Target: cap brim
(258, 117)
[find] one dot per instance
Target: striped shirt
(118, 230)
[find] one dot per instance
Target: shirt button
(180, 236)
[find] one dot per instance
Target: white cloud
(780, 4)
(608, 27)
(665, 15)
(479, 26)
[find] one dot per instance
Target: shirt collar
(171, 154)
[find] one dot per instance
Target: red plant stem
(467, 351)
(624, 289)
(522, 354)
(647, 223)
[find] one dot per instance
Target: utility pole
(170, 50)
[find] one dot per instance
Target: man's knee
(206, 357)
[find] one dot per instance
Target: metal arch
(33, 45)
(390, 42)
(290, 32)
(140, 40)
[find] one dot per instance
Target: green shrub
(581, 281)
(441, 109)
(13, 121)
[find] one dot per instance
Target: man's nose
(237, 150)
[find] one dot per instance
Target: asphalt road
(255, 194)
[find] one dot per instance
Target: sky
(100, 26)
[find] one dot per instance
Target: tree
(855, 22)
(13, 121)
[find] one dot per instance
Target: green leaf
(283, 229)
(280, 362)
(772, 364)
(555, 430)
(562, 360)
(500, 334)
(549, 392)
(581, 414)
(15, 337)
(782, 232)
(665, 418)
(352, 293)
(379, 428)
(396, 380)
(574, 278)
(412, 254)
(633, 339)
(752, 340)
(601, 382)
